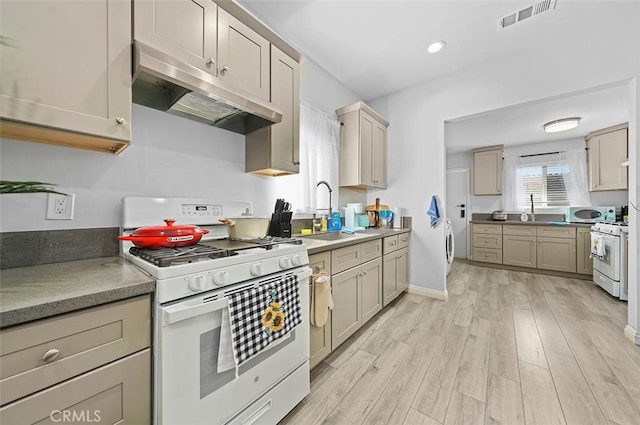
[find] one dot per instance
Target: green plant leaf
(7, 186)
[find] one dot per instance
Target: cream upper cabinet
(184, 29)
(243, 57)
(487, 171)
(275, 150)
(606, 150)
(363, 147)
(66, 69)
(201, 34)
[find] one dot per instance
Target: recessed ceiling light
(561, 124)
(436, 47)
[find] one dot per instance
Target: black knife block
(280, 224)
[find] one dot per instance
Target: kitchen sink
(332, 236)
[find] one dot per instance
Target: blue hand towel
(434, 211)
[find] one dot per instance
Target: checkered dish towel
(258, 317)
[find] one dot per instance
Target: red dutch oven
(168, 236)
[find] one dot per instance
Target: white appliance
(192, 285)
(610, 271)
(449, 242)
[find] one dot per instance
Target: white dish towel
(597, 245)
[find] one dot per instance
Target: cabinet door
(557, 254)
(371, 289)
(605, 154)
(487, 172)
(584, 264)
(243, 57)
(185, 29)
(519, 251)
(402, 269)
(118, 393)
(367, 130)
(67, 66)
(285, 136)
(389, 279)
(346, 317)
(379, 153)
(319, 338)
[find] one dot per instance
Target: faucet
(533, 216)
(328, 187)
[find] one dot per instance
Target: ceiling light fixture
(436, 47)
(561, 125)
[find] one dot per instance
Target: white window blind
(545, 182)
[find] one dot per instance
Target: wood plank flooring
(508, 348)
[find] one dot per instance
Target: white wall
(416, 155)
(168, 156)
(487, 204)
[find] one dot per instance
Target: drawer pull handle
(51, 355)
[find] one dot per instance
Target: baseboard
(431, 293)
(632, 334)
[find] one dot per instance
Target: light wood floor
(506, 348)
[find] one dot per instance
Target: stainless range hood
(167, 84)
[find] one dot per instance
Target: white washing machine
(449, 244)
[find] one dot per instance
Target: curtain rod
(539, 154)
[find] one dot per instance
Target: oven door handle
(179, 312)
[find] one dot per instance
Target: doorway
(457, 209)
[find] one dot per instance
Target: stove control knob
(285, 263)
(221, 277)
(256, 269)
(296, 260)
(197, 283)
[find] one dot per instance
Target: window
(545, 182)
(555, 180)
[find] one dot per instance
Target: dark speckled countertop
(36, 292)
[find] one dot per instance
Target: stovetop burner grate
(180, 255)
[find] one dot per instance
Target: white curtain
(510, 183)
(576, 180)
(319, 145)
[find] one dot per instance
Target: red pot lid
(170, 229)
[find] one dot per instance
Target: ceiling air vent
(527, 12)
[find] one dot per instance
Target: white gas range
(610, 271)
(193, 287)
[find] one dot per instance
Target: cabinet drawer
(345, 258)
(403, 240)
(371, 250)
(519, 230)
(487, 255)
(82, 340)
(495, 229)
(556, 232)
(390, 244)
(320, 262)
(487, 241)
(118, 393)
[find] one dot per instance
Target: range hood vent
(527, 12)
(167, 84)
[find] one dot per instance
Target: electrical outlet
(60, 207)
